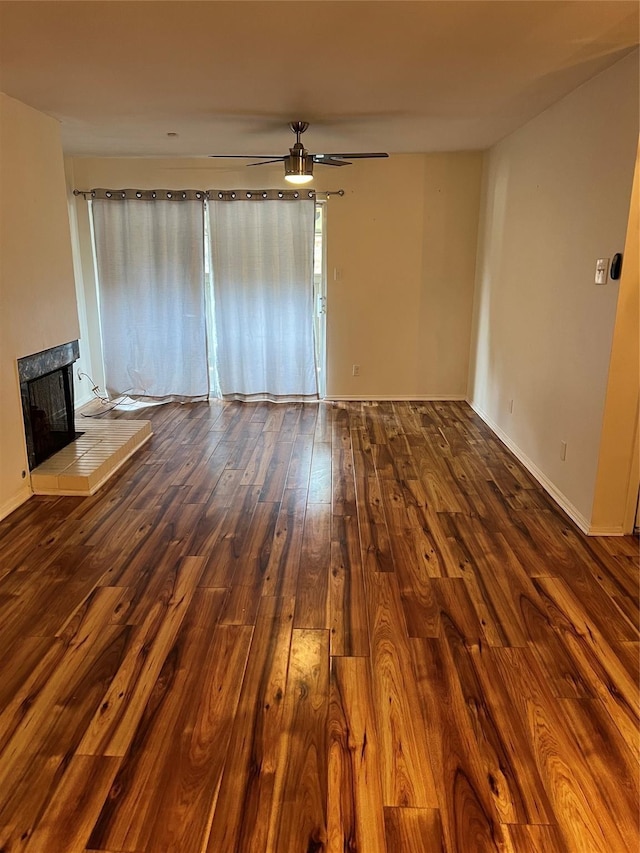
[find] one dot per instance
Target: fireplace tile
(83, 466)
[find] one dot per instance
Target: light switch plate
(602, 265)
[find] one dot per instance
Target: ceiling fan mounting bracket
(298, 127)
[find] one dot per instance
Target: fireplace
(46, 388)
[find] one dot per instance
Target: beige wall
(38, 305)
(556, 198)
(402, 242)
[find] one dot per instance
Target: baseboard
(400, 398)
(79, 402)
(606, 531)
(17, 500)
(563, 502)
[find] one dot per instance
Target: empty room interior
(319, 455)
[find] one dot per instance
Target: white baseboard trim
(400, 398)
(563, 502)
(79, 402)
(14, 502)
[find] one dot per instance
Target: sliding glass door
(320, 295)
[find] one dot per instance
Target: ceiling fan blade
(356, 156)
(264, 162)
(326, 160)
(242, 156)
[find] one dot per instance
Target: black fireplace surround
(46, 388)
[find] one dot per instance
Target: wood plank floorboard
(317, 628)
(355, 820)
(241, 818)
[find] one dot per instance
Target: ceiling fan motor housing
(299, 162)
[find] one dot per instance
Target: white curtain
(150, 263)
(262, 262)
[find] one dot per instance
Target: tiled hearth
(82, 467)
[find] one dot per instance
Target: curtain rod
(326, 193)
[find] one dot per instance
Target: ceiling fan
(298, 163)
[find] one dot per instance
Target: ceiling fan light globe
(298, 179)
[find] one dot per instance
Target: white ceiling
(227, 77)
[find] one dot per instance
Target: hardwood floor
(349, 627)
